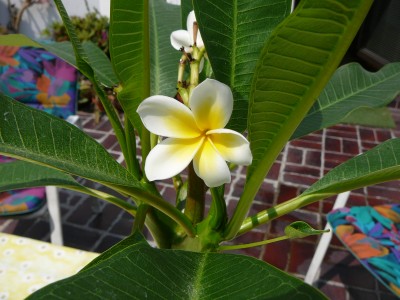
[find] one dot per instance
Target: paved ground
(92, 225)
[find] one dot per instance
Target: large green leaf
(17, 40)
(98, 60)
(377, 165)
(83, 64)
(372, 117)
(234, 32)
(296, 63)
(164, 18)
(36, 136)
(130, 53)
(349, 88)
(133, 270)
(40, 137)
(22, 174)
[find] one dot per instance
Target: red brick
(287, 193)
(312, 137)
(299, 179)
(367, 134)
(273, 173)
(384, 193)
(301, 256)
(266, 192)
(368, 145)
(344, 127)
(313, 158)
(250, 237)
(350, 147)
(356, 200)
(306, 144)
(302, 170)
(277, 254)
(349, 134)
(339, 157)
(294, 155)
(333, 144)
(383, 135)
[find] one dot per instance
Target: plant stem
(279, 210)
(218, 215)
(140, 217)
(131, 160)
(195, 201)
(131, 209)
(250, 245)
(157, 202)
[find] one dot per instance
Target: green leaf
(22, 174)
(164, 19)
(83, 64)
(234, 33)
(373, 117)
(300, 229)
(98, 60)
(130, 54)
(137, 271)
(377, 165)
(34, 135)
(349, 88)
(296, 63)
(18, 40)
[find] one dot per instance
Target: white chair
(314, 270)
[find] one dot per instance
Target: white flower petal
(168, 117)
(181, 38)
(212, 103)
(199, 40)
(170, 157)
(189, 25)
(210, 166)
(231, 145)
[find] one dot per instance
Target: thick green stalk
(195, 201)
(218, 215)
(279, 210)
(157, 202)
(140, 217)
(130, 159)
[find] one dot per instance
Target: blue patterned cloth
(372, 235)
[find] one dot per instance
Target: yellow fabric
(26, 265)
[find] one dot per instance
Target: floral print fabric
(23, 201)
(38, 78)
(372, 235)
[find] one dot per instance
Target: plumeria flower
(194, 133)
(184, 38)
